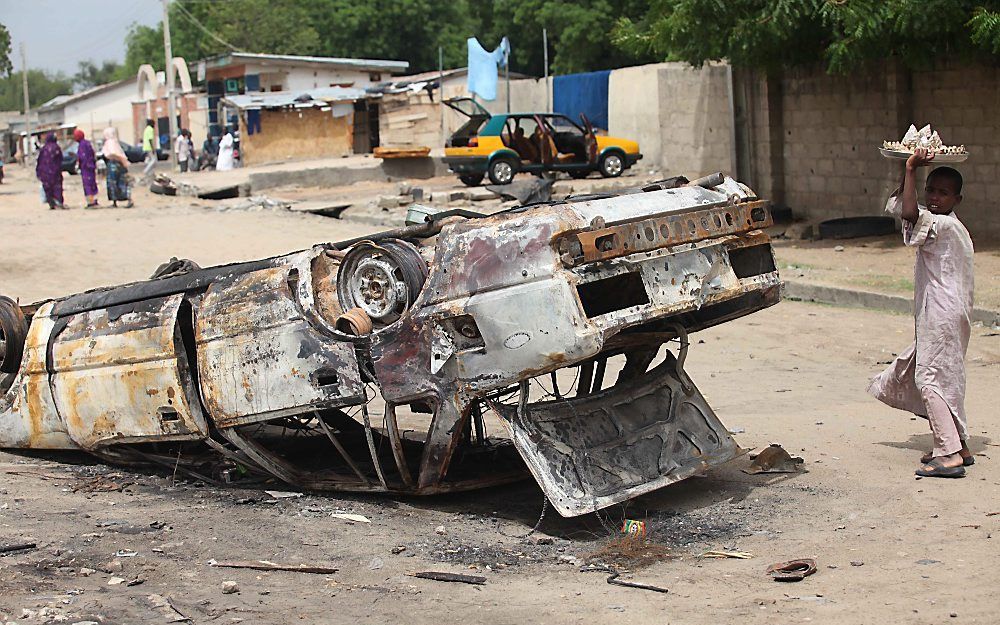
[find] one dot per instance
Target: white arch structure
(147, 80)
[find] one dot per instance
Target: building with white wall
(95, 109)
(238, 73)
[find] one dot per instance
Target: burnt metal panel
(637, 436)
(121, 374)
(260, 358)
(28, 416)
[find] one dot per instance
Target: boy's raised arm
(919, 158)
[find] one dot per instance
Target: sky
(60, 33)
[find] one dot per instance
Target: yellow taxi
(500, 146)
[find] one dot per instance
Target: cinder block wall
(831, 126)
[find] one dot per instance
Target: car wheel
(471, 180)
(612, 165)
(502, 171)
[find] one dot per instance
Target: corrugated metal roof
(304, 97)
(289, 59)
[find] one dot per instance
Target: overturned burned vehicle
(379, 364)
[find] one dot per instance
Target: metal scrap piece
(440, 576)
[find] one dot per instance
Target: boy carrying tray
(928, 378)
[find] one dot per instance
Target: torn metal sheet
(369, 364)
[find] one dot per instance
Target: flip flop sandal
(939, 470)
(966, 462)
(792, 571)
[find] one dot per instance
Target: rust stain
(152, 391)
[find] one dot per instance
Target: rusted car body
(277, 368)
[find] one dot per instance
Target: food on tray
(923, 138)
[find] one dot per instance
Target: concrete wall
(292, 79)
(681, 116)
(810, 141)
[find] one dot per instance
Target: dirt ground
(877, 264)
(889, 547)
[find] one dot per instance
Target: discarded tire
(13, 332)
(854, 227)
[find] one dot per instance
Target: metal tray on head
(938, 158)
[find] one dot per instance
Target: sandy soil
(922, 550)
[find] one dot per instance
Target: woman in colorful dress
(88, 167)
(114, 156)
(48, 169)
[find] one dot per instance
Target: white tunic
(942, 305)
(225, 160)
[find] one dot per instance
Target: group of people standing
(48, 169)
(49, 166)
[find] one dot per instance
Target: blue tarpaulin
(586, 93)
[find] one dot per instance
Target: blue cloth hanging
(482, 80)
(253, 121)
(585, 93)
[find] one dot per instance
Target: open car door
(589, 139)
(546, 142)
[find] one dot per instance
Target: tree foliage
(90, 74)
(5, 65)
(843, 34)
(42, 87)
(410, 30)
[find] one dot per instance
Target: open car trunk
(477, 116)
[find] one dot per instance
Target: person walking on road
(149, 148)
(182, 148)
(88, 167)
(928, 378)
(118, 184)
(48, 169)
(225, 161)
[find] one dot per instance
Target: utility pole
(171, 104)
(507, 75)
(29, 144)
(545, 56)
(441, 90)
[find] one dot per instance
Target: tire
(471, 180)
(612, 165)
(14, 329)
(502, 171)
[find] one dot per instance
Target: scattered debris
(376, 563)
(774, 459)
(928, 561)
(633, 528)
(264, 565)
(439, 576)
(398, 549)
(992, 513)
(347, 516)
(115, 581)
(629, 552)
(614, 578)
(792, 570)
(838, 248)
(17, 547)
(135, 581)
(230, 587)
(738, 555)
(857, 563)
(440, 530)
(282, 494)
(528, 191)
(126, 553)
(161, 604)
